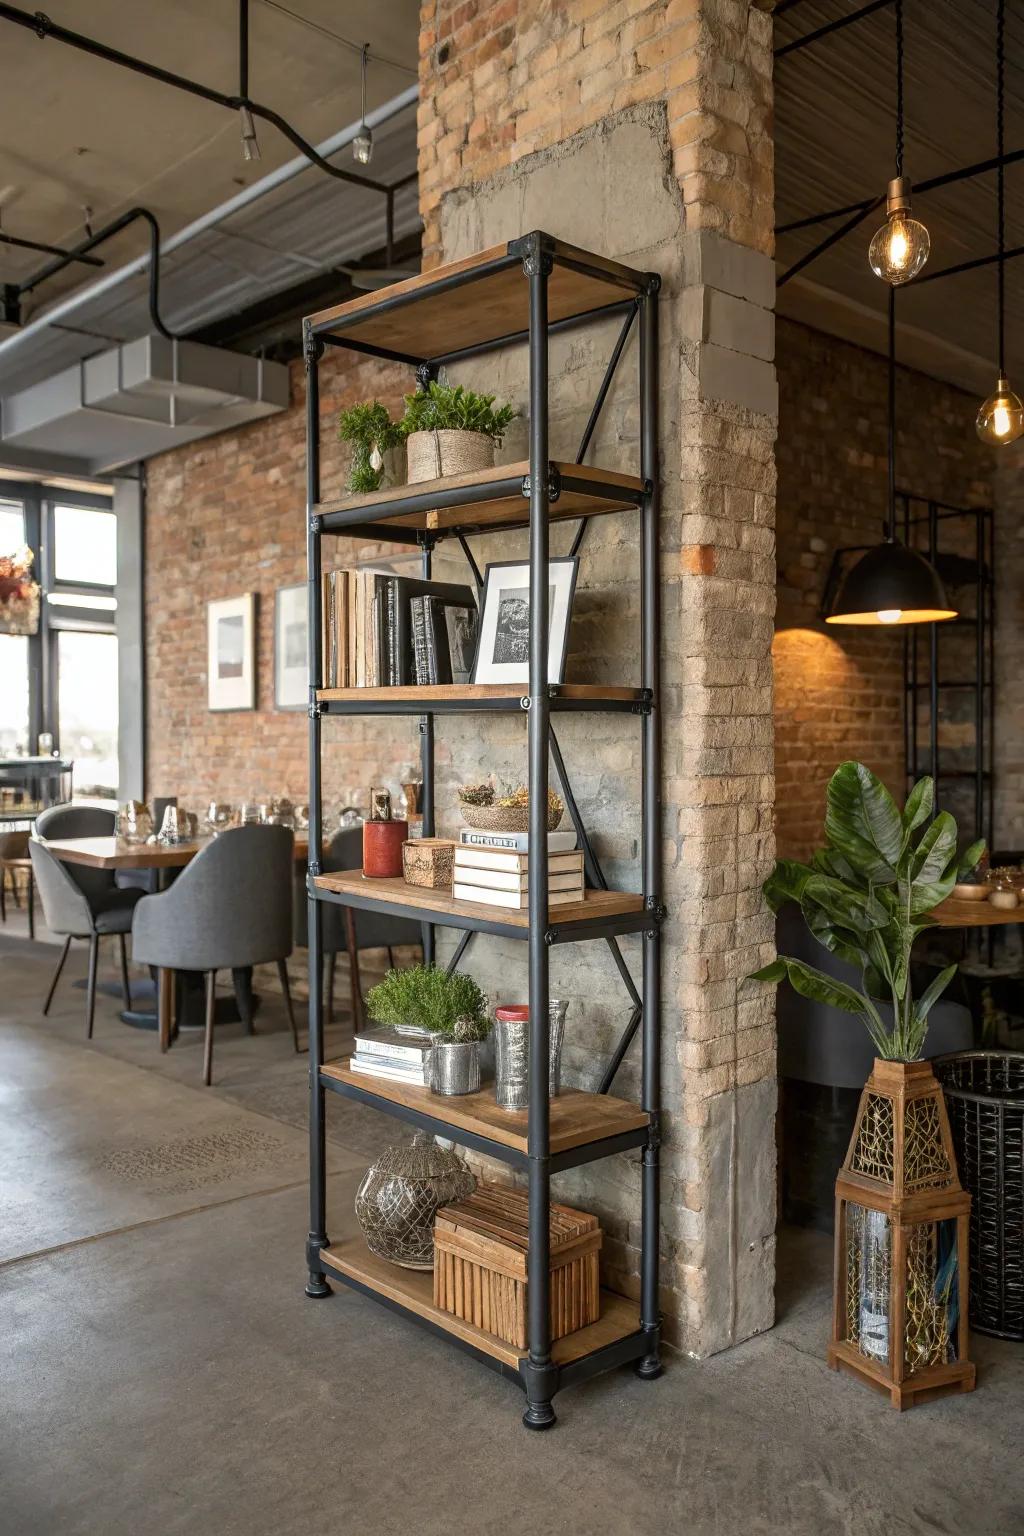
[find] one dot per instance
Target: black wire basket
(985, 1097)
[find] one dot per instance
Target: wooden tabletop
(957, 913)
(114, 853)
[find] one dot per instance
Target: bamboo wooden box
(480, 1248)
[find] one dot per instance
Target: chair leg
(242, 979)
(211, 984)
(31, 904)
(90, 996)
(332, 966)
(56, 975)
(391, 957)
(282, 971)
(124, 971)
(353, 971)
(3, 893)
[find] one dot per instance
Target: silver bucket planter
(455, 1067)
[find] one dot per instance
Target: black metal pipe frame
(82, 249)
(427, 768)
(650, 597)
(830, 27)
(48, 250)
(316, 1284)
(539, 1372)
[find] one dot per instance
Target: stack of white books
(494, 868)
(399, 1058)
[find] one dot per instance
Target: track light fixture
(1001, 417)
(901, 247)
(891, 584)
(362, 144)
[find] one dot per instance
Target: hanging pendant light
(901, 247)
(891, 584)
(362, 144)
(1001, 417)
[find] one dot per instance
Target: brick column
(642, 131)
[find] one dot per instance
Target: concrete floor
(161, 1369)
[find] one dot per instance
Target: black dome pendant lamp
(891, 584)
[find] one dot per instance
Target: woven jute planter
(503, 818)
(434, 455)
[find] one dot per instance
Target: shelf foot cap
(649, 1368)
(539, 1416)
(317, 1287)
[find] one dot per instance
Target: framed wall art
(231, 653)
(503, 646)
(291, 648)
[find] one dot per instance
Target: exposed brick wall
(500, 79)
(225, 517)
(839, 692)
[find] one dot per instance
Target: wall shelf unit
(515, 293)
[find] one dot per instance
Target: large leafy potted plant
(451, 430)
(450, 1010)
(867, 896)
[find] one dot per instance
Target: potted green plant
(450, 1010)
(450, 430)
(370, 430)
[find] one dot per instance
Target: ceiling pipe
(206, 221)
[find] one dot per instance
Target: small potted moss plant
(451, 430)
(451, 1011)
(370, 430)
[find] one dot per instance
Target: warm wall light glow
(890, 615)
(893, 616)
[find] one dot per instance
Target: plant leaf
(814, 984)
(919, 805)
(935, 850)
(930, 996)
(970, 858)
(862, 821)
(785, 883)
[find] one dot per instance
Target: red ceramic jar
(382, 848)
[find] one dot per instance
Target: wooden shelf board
(394, 891)
(495, 511)
(468, 693)
(419, 318)
(577, 1118)
(413, 1289)
(957, 913)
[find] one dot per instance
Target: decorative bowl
(505, 818)
(971, 892)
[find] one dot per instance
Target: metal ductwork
(139, 399)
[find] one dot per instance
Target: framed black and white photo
(503, 646)
(231, 653)
(291, 648)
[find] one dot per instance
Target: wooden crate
(480, 1249)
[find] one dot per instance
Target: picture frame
(291, 647)
(503, 636)
(231, 653)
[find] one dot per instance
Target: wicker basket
(504, 818)
(984, 1093)
(435, 455)
(480, 1252)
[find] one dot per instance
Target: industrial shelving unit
(515, 293)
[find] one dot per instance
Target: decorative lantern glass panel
(900, 1314)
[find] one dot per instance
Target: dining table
(117, 853)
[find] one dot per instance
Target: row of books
(398, 1058)
(494, 868)
(381, 630)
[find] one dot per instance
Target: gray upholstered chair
(81, 914)
(347, 931)
(14, 860)
(230, 908)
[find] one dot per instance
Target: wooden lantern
(899, 1318)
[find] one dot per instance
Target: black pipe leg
(56, 975)
(90, 992)
(124, 971)
(540, 1389)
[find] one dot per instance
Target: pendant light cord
(899, 87)
(1000, 186)
(891, 529)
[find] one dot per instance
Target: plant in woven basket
(427, 997)
(506, 809)
(453, 408)
(370, 430)
(866, 897)
(476, 794)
